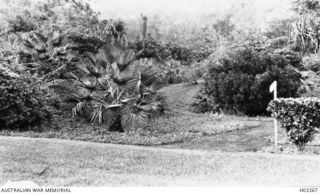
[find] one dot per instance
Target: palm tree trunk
(117, 125)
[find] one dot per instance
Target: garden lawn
(49, 162)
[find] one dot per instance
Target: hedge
(300, 117)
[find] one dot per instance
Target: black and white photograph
(98, 95)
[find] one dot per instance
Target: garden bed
(169, 129)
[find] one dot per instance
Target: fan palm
(110, 90)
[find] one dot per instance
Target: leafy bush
(74, 15)
(43, 53)
(238, 82)
(48, 53)
(293, 57)
(20, 106)
(158, 50)
(203, 104)
(150, 49)
(299, 116)
(174, 63)
(186, 55)
(172, 72)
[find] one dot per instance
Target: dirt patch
(252, 138)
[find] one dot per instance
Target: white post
(275, 133)
(273, 88)
(275, 120)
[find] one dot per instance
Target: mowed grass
(49, 162)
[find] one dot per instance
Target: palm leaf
(102, 114)
(125, 59)
(81, 109)
(131, 115)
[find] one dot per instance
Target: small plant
(299, 116)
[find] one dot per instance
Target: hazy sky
(132, 8)
(249, 12)
(187, 11)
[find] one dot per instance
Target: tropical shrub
(238, 82)
(107, 89)
(300, 117)
(21, 105)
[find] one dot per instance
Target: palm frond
(97, 114)
(125, 59)
(93, 71)
(104, 81)
(304, 32)
(102, 114)
(105, 54)
(131, 115)
(110, 116)
(81, 109)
